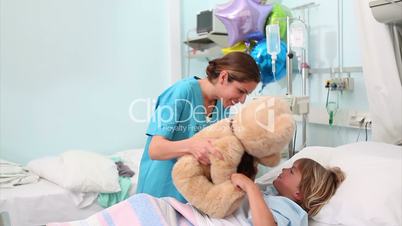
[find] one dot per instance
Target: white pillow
(132, 159)
(79, 171)
(372, 191)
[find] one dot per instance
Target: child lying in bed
(297, 192)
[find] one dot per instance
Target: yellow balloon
(238, 47)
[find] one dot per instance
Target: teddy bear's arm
(221, 200)
(216, 200)
(219, 197)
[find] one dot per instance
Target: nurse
(184, 109)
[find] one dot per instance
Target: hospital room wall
(322, 54)
(70, 70)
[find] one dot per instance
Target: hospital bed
(370, 195)
(43, 202)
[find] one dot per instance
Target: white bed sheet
(45, 202)
(41, 203)
(312, 222)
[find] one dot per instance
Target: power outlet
(348, 83)
(359, 119)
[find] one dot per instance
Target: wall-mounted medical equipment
(332, 105)
(335, 86)
(340, 84)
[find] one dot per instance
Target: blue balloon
(264, 62)
(258, 36)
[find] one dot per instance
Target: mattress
(45, 202)
(41, 203)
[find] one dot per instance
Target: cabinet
(207, 45)
(205, 41)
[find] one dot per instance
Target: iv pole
(304, 73)
(289, 68)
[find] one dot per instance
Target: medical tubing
(331, 118)
(273, 66)
(366, 129)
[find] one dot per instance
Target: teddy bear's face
(265, 126)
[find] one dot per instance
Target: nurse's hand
(201, 148)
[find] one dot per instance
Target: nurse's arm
(161, 148)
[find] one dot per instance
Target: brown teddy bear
(258, 133)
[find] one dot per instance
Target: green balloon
(278, 16)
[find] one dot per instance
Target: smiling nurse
(184, 109)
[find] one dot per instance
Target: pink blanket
(140, 209)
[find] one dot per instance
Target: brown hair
(317, 184)
(240, 66)
(247, 166)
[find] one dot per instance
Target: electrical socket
(348, 83)
(359, 119)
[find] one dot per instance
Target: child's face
(287, 183)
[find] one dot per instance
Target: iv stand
(289, 68)
(304, 73)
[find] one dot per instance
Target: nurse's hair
(240, 66)
(317, 185)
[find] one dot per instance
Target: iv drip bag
(298, 36)
(273, 43)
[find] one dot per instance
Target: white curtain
(381, 77)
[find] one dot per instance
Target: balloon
(278, 16)
(264, 62)
(241, 17)
(238, 47)
(254, 36)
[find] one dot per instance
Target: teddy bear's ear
(270, 160)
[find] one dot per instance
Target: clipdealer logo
(169, 113)
(268, 104)
(165, 114)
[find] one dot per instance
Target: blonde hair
(318, 184)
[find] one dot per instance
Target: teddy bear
(256, 134)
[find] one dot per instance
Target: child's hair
(241, 68)
(317, 184)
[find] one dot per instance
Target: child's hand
(241, 181)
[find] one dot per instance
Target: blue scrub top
(179, 114)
